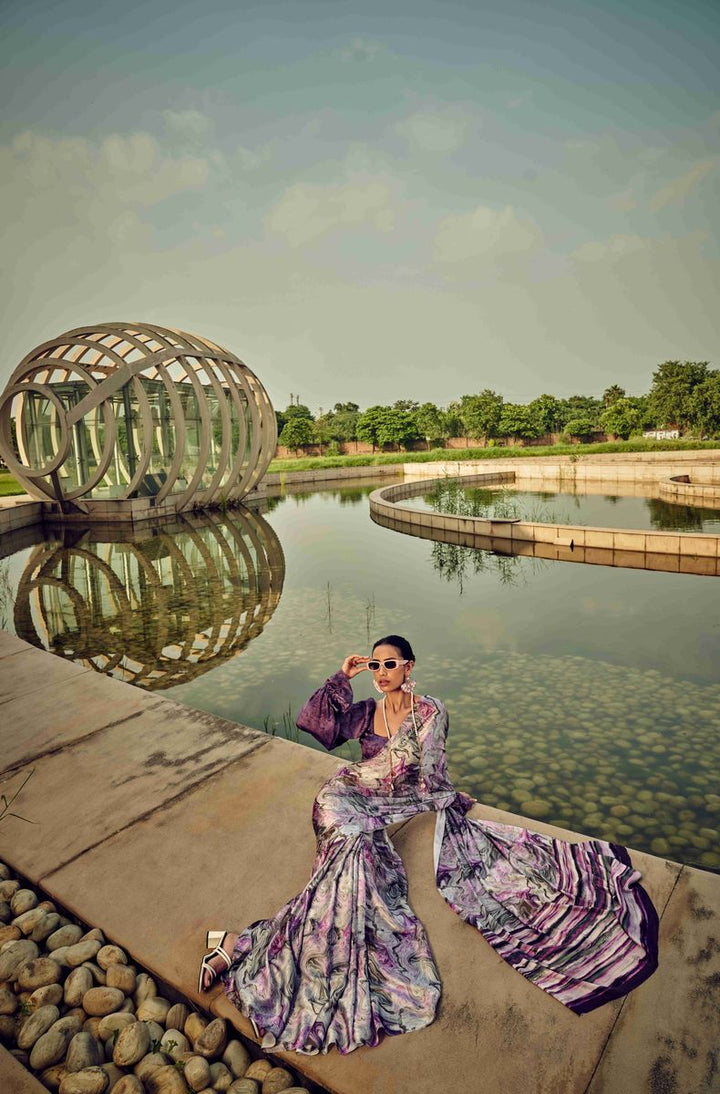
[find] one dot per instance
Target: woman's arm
(330, 714)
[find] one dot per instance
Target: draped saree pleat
(346, 961)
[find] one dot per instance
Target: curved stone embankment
(679, 552)
(682, 490)
(80, 1015)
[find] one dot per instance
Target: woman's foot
(216, 962)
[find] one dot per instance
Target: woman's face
(390, 679)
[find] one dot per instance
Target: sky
(370, 202)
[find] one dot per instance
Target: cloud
(680, 187)
(485, 232)
(610, 249)
(191, 126)
(307, 210)
(361, 49)
(434, 130)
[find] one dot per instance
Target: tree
(546, 409)
(345, 418)
(368, 425)
(295, 410)
(583, 428)
(578, 406)
(517, 420)
(673, 385)
(397, 426)
(611, 395)
(452, 422)
(297, 431)
(480, 414)
(429, 422)
(621, 418)
(704, 405)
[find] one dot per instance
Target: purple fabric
(346, 960)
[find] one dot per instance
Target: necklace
(421, 781)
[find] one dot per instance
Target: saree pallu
(346, 961)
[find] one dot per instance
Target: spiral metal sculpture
(155, 611)
(119, 411)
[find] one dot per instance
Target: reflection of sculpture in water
(155, 611)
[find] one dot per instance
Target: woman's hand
(354, 664)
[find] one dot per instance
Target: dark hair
(399, 643)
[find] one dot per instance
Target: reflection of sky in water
(573, 690)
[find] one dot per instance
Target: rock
(97, 974)
(166, 1080)
(92, 1025)
(153, 1009)
(73, 1022)
(177, 1016)
(660, 847)
(221, 1076)
(156, 1032)
(8, 1001)
(95, 935)
(85, 950)
(113, 1073)
(111, 1022)
(22, 900)
(8, 889)
(237, 1058)
(128, 1006)
(92, 1080)
(15, 955)
(84, 1051)
(194, 1026)
(50, 994)
(35, 1025)
(9, 934)
(46, 926)
(50, 1048)
(258, 1069)
(5, 912)
(53, 1076)
(197, 1073)
(244, 1086)
(276, 1080)
(173, 1043)
(146, 987)
(77, 985)
(64, 936)
(153, 1062)
(536, 807)
(28, 921)
(122, 977)
(211, 1042)
(60, 955)
(111, 955)
(132, 1044)
(39, 973)
(102, 1001)
(8, 1028)
(129, 1084)
(4, 871)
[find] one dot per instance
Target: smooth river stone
(111, 955)
(177, 1016)
(194, 1026)
(536, 807)
(211, 1042)
(36, 1025)
(102, 1001)
(245, 1086)
(92, 1080)
(28, 921)
(220, 1076)
(15, 955)
(129, 1084)
(99, 976)
(152, 1062)
(258, 1069)
(166, 1080)
(8, 889)
(5, 912)
(77, 985)
(82, 951)
(146, 987)
(50, 1048)
(39, 973)
(197, 1073)
(47, 925)
(51, 1077)
(111, 1022)
(64, 936)
(23, 900)
(9, 933)
(181, 1044)
(237, 1058)
(153, 1009)
(84, 1051)
(132, 1044)
(277, 1080)
(122, 977)
(8, 1001)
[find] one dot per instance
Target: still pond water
(582, 695)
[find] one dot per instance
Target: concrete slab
(33, 671)
(10, 644)
(41, 721)
(92, 788)
(231, 850)
(667, 1038)
(14, 1079)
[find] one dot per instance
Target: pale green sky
(371, 201)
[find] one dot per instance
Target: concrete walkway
(155, 821)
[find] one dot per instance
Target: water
(582, 695)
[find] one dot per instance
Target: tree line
(684, 395)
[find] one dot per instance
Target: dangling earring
(408, 686)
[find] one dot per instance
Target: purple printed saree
(346, 960)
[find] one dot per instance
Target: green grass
(316, 463)
(9, 486)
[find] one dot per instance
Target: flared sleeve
(330, 714)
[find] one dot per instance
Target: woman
(347, 961)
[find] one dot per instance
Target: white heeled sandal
(216, 939)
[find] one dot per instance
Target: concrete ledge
(14, 1079)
